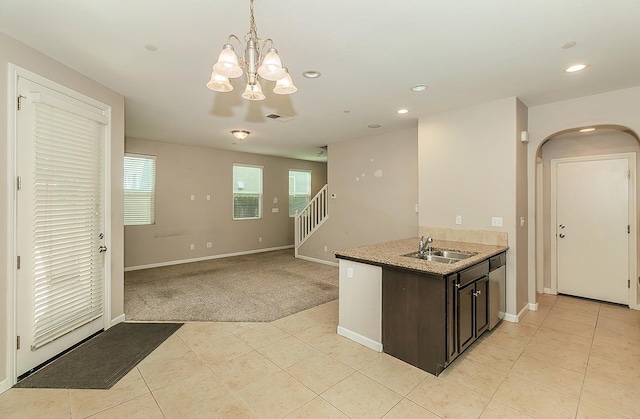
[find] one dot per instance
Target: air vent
(277, 117)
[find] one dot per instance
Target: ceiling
(369, 53)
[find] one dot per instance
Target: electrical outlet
(458, 219)
(274, 209)
(259, 239)
(209, 245)
(326, 249)
(349, 272)
(193, 247)
(496, 221)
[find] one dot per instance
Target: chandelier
(253, 62)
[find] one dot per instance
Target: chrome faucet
(425, 244)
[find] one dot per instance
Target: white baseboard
(5, 385)
(226, 255)
(324, 262)
(533, 306)
(547, 290)
(516, 318)
(363, 340)
(117, 320)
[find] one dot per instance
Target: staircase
(311, 217)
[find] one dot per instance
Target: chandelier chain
(253, 28)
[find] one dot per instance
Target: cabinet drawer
(471, 274)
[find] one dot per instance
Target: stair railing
(311, 217)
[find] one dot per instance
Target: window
(139, 190)
(247, 192)
(299, 190)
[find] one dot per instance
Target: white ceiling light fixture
(254, 60)
(419, 88)
(401, 111)
(240, 134)
(311, 74)
(574, 68)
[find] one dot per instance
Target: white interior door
(592, 219)
(59, 214)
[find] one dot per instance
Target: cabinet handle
(476, 294)
(456, 285)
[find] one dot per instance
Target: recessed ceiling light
(587, 129)
(374, 126)
(419, 87)
(569, 45)
(311, 74)
(575, 68)
(151, 47)
(403, 111)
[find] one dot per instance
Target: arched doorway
(574, 145)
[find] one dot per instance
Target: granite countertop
(391, 254)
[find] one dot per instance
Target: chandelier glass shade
(254, 60)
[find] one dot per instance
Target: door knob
(102, 249)
(561, 226)
(562, 236)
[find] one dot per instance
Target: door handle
(562, 236)
(102, 249)
(561, 226)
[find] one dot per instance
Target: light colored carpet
(261, 287)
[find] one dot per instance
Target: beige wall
(469, 164)
(12, 51)
(617, 108)
(576, 145)
(375, 182)
(182, 171)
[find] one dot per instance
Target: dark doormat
(103, 360)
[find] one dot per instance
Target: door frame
(633, 234)
(14, 73)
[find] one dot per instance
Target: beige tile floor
(570, 359)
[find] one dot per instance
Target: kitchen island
(423, 312)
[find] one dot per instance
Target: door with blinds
(59, 214)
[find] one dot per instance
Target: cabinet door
(452, 326)
(466, 314)
(481, 296)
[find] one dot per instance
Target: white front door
(592, 222)
(59, 215)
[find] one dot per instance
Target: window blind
(68, 270)
(139, 190)
(247, 192)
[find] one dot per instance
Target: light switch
(458, 219)
(208, 197)
(521, 221)
(275, 200)
(193, 197)
(349, 272)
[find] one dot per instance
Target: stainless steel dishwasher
(497, 288)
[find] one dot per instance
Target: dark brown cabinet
(472, 312)
(428, 320)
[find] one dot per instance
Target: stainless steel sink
(451, 254)
(442, 256)
(433, 258)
